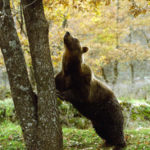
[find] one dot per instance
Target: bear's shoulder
(86, 73)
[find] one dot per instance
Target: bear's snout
(67, 38)
(67, 33)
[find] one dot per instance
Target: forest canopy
(103, 25)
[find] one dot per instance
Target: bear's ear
(85, 49)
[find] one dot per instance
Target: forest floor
(74, 139)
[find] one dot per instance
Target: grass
(10, 136)
(74, 139)
(136, 102)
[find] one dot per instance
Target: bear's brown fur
(88, 95)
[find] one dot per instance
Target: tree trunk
(22, 94)
(39, 119)
(115, 64)
(117, 23)
(115, 67)
(104, 74)
(132, 72)
(49, 130)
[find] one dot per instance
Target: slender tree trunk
(49, 130)
(131, 62)
(117, 23)
(115, 67)
(104, 74)
(22, 94)
(132, 72)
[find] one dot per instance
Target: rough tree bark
(49, 130)
(39, 119)
(23, 96)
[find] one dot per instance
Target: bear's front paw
(60, 95)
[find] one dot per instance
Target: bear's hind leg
(102, 134)
(111, 136)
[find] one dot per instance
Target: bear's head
(72, 57)
(73, 46)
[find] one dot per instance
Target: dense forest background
(118, 36)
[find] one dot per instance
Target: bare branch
(25, 6)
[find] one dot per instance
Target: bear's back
(99, 91)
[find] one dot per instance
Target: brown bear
(77, 84)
